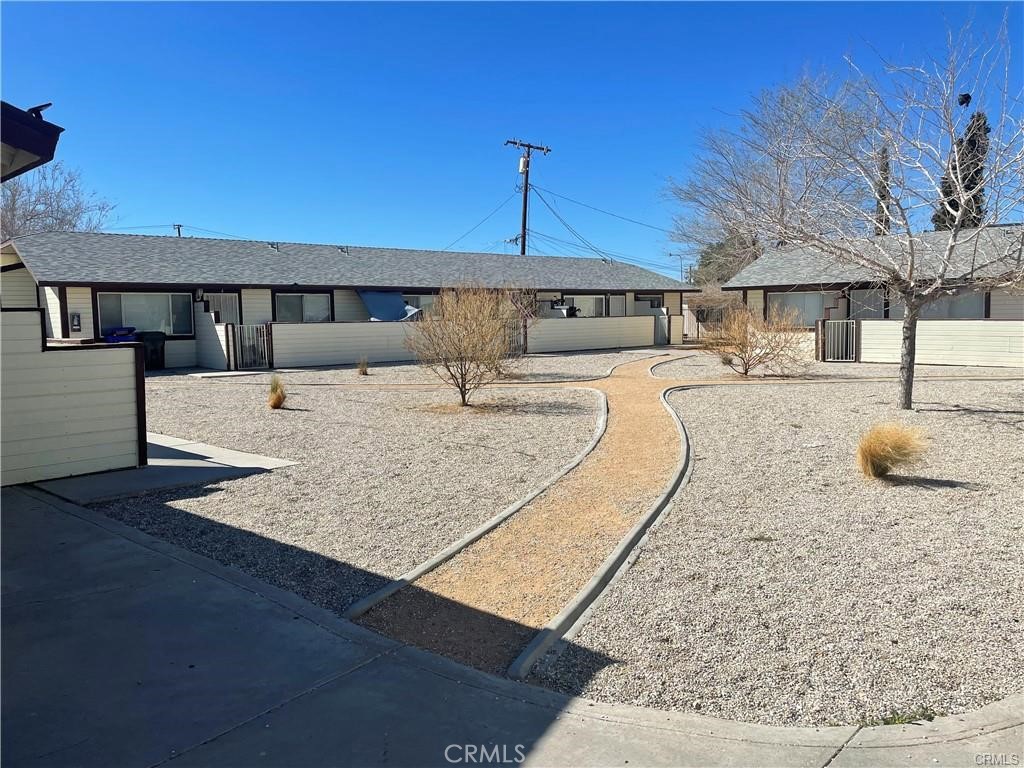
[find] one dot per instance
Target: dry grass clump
(277, 393)
(888, 446)
(364, 366)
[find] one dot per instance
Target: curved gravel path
(783, 588)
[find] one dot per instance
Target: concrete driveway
(122, 650)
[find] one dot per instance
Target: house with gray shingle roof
(820, 288)
(90, 283)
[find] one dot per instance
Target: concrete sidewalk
(120, 649)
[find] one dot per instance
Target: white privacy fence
(67, 410)
(567, 335)
(946, 342)
(302, 344)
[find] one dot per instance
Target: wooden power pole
(524, 168)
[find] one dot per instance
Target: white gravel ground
(698, 364)
(385, 479)
(532, 368)
(784, 588)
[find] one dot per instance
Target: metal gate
(840, 341)
(251, 347)
(660, 330)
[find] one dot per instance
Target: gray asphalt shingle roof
(806, 266)
(83, 257)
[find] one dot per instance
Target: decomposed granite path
(483, 606)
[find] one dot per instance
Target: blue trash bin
(119, 335)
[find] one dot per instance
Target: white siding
(302, 344)
(18, 289)
(51, 305)
(755, 301)
(946, 342)
(80, 300)
(673, 302)
(211, 341)
(179, 353)
(256, 306)
(64, 412)
(1007, 306)
(349, 308)
(590, 333)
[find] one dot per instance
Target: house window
(422, 301)
(866, 305)
(963, 306)
(167, 312)
(655, 300)
(588, 306)
(809, 306)
(303, 308)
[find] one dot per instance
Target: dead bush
(745, 341)
(363, 366)
(277, 393)
(469, 337)
(888, 446)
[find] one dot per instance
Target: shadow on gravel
(930, 483)
(470, 636)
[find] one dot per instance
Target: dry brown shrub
(745, 340)
(277, 393)
(467, 338)
(888, 446)
(363, 366)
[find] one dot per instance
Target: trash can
(153, 348)
(119, 335)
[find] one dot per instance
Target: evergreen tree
(883, 195)
(968, 162)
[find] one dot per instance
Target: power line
(607, 213)
(485, 218)
(619, 256)
(572, 231)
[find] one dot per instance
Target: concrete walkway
(122, 650)
(173, 463)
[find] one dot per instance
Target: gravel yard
(533, 368)
(705, 365)
(385, 479)
(784, 588)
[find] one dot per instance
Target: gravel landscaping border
(784, 589)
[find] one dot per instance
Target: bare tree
(745, 340)
(810, 177)
(50, 199)
(468, 337)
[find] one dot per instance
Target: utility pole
(524, 168)
(178, 228)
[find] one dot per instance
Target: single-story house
(91, 283)
(820, 288)
(823, 290)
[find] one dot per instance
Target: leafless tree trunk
(50, 199)
(803, 171)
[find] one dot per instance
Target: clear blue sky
(384, 124)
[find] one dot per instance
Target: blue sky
(384, 124)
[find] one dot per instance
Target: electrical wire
(485, 218)
(568, 226)
(606, 213)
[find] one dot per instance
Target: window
(303, 308)
(167, 312)
(866, 305)
(589, 306)
(656, 301)
(809, 306)
(963, 306)
(420, 301)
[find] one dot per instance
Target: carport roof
(88, 258)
